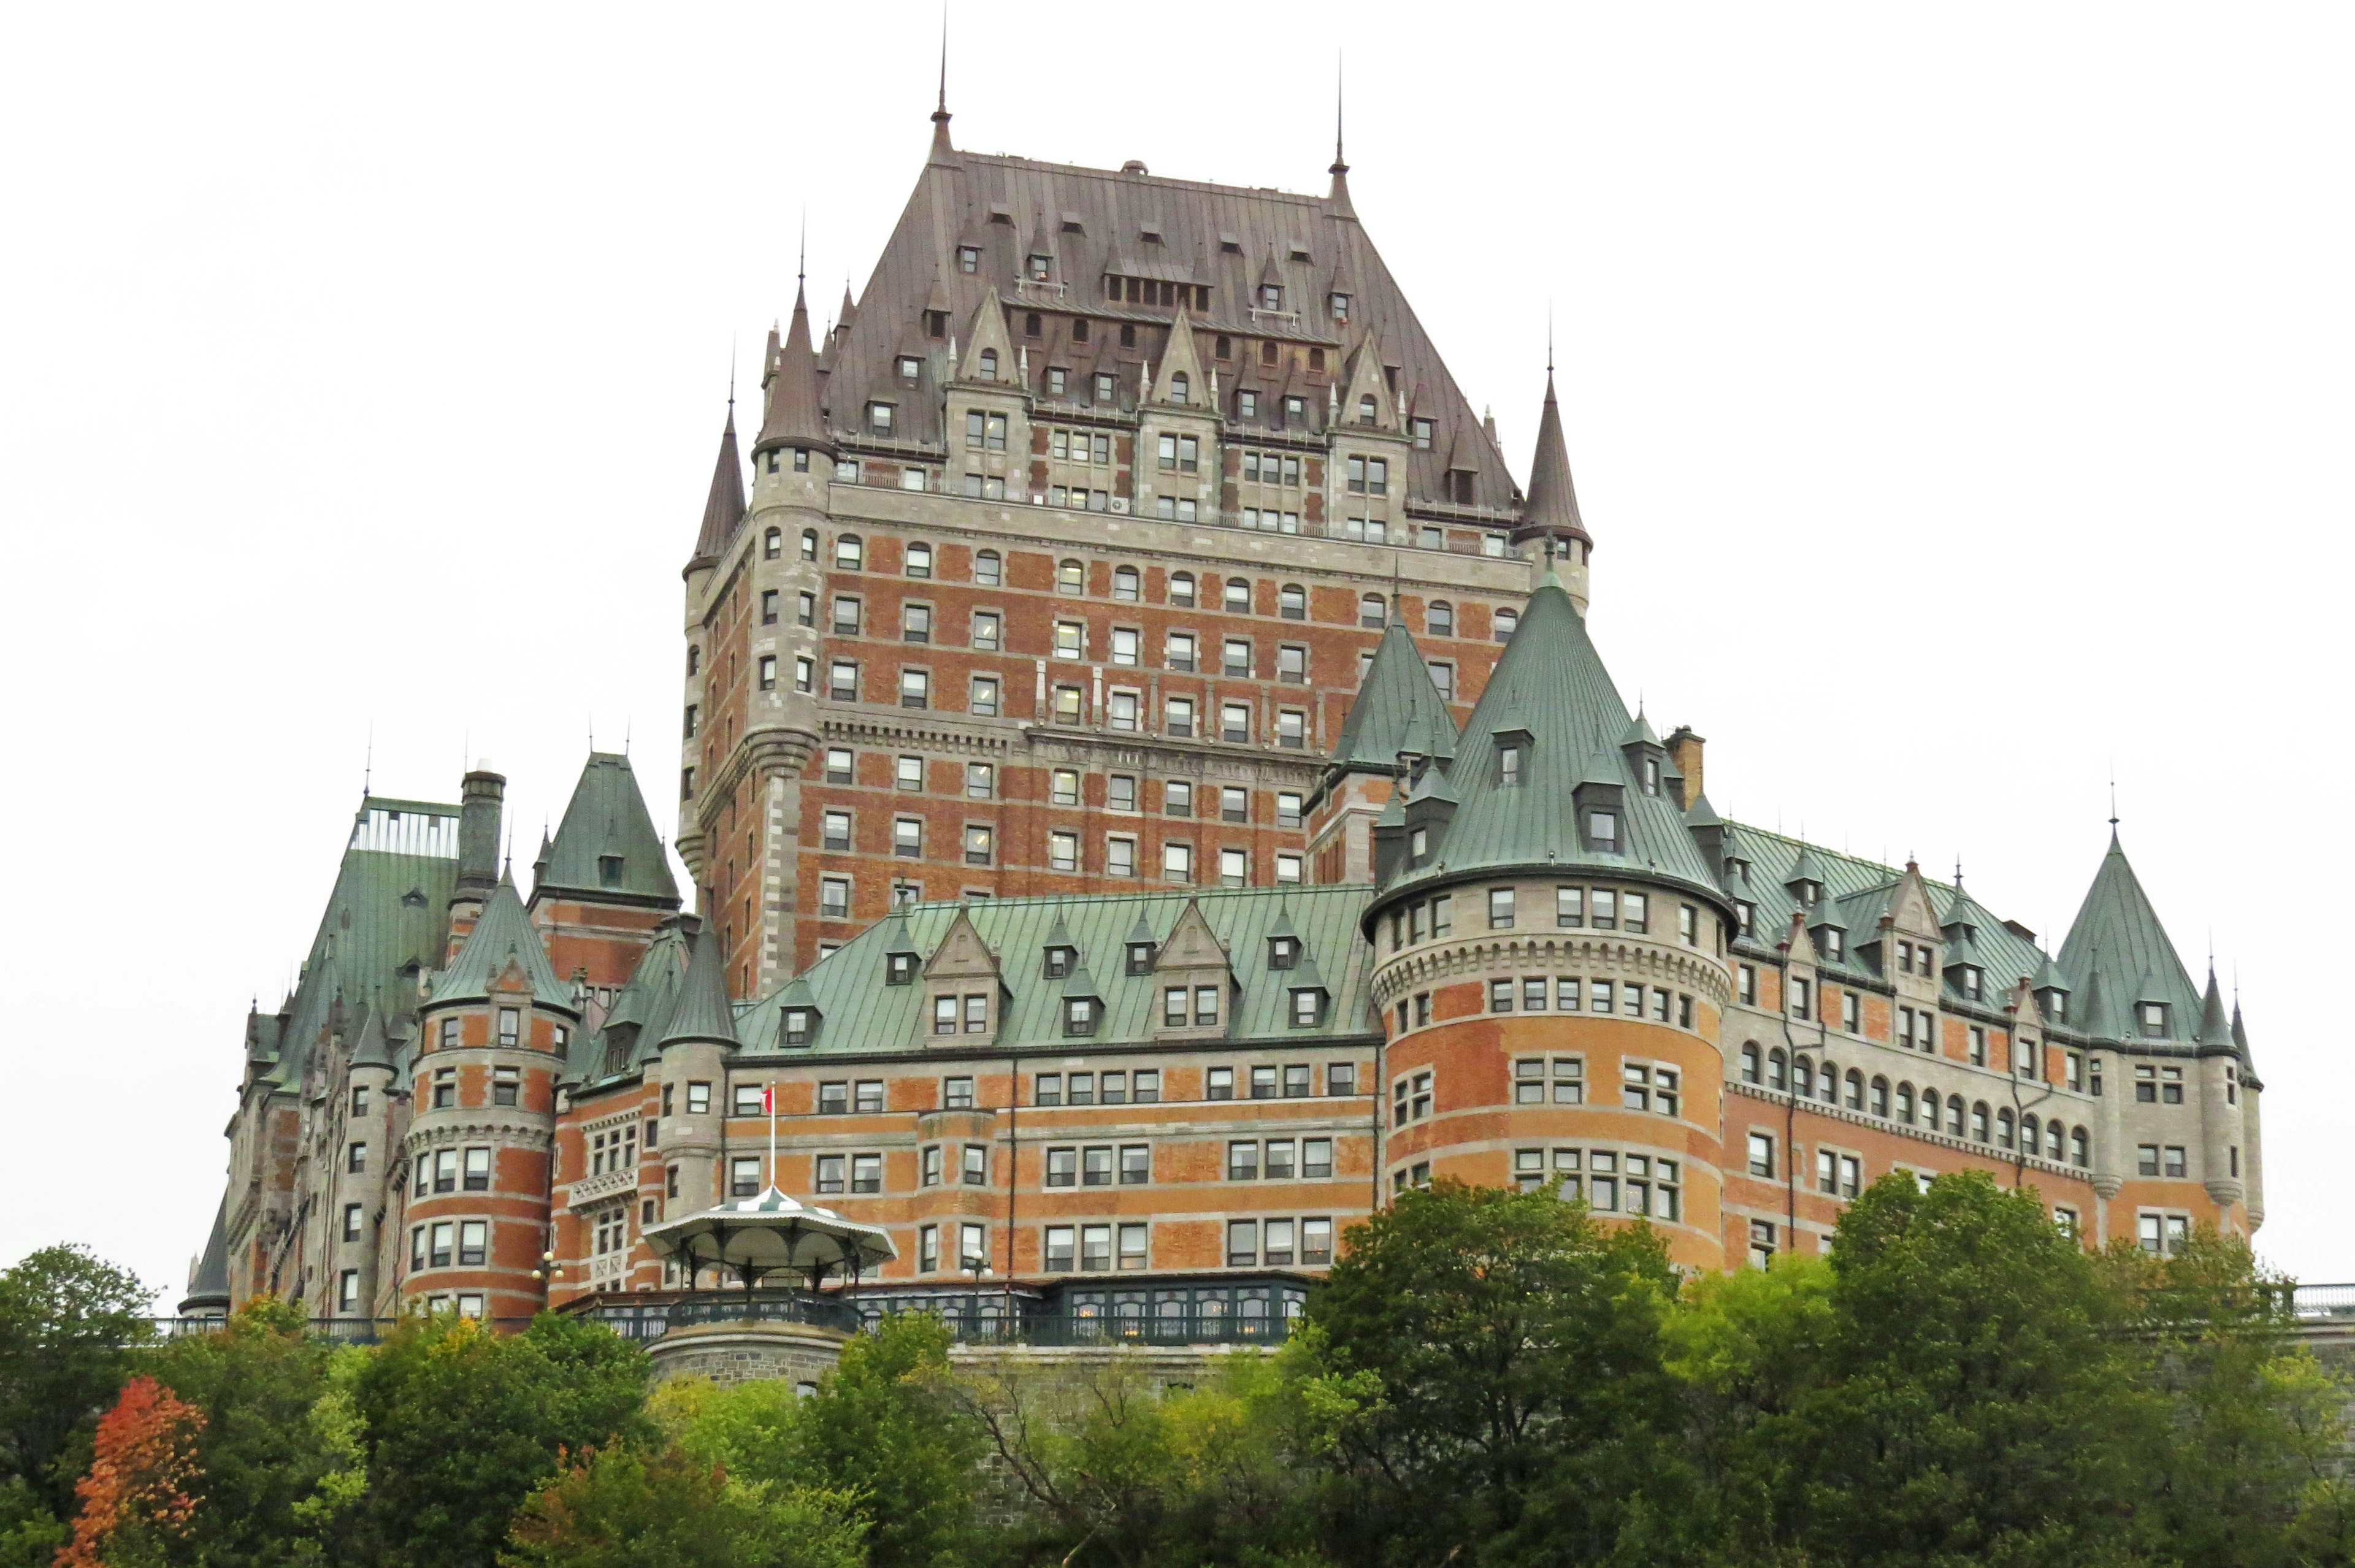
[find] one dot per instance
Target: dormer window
(1058, 963)
(1509, 767)
(1834, 945)
(989, 364)
(2056, 1006)
(1283, 952)
(1367, 413)
(1140, 959)
(1806, 891)
(1271, 296)
(609, 871)
(879, 418)
(1749, 913)
(1339, 305)
(1307, 1008)
(936, 323)
(797, 1025)
(1295, 409)
(968, 258)
(1246, 405)
(900, 969)
(1651, 775)
(1603, 832)
(1078, 1016)
(1039, 267)
(1181, 387)
(911, 368)
(1971, 981)
(2154, 1019)
(1419, 844)
(1422, 430)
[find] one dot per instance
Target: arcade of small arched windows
(1803, 1077)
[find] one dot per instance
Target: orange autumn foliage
(139, 1480)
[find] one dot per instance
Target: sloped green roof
(644, 1002)
(2215, 1031)
(703, 1013)
(1398, 709)
(607, 818)
(389, 908)
(208, 1284)
(1551, 683)
(2117, 935)
(502, 934)
(860, 1013)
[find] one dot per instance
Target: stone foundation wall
(729, 1353)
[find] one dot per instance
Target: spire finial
(732, 377)
(941, 109)
(1340, 164)
(1548, 343)
(368, 764)
(2113, 803)
(801, 260)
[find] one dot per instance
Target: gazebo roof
(771, 1232)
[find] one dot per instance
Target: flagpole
(770, 1094)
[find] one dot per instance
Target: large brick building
(1150, 794)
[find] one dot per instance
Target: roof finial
(801, 261)
(2114, 801)
(368, 764)
(942, 149)
(1548, 340)
(1340, 164)
(732, 377)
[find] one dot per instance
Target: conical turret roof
(1552, 507)
(724, 507)
(606, 848)
(1398, 709)
(2215, 1029)
(209, 1292)
(703, 1013)
(502, 936)
(2117, 938)
(1551, 685)
(792, 417)
(372, 1050)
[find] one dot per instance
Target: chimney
(1684, 751)
(478, 834)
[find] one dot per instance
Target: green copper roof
(1552, 684)
(372, 1050)
(2215, 1031)
(1398, 709)
(703, 1013)
(502, 935)
(208, 1284)
(606, 847)
(641, 1012)
(859, 1012)
(2117, 935)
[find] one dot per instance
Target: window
(1218, 1082)
(1802, 997)
(1242, 1161)
(1500, 909)
(849, 554)
(473, 1243)
(1177, 862)
(834, 897)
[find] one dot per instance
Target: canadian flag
(768, 1099)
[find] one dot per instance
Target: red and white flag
(768, 1099)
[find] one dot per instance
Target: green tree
(1489, 1368)
(462, 1425)
(2254, 1473)
(627, 1506)
(281, 1444)
(885, 1427)
(67, 1322)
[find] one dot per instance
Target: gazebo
(794, 1332)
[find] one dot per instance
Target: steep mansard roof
(1101, 222)
(502, 936)
(387, 921)
(607, 819)
(1551, 686)
(2118, 940)
(860, 1012)
(1397, 710)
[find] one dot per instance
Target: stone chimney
(1684, 751)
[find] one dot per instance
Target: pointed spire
(942, 152)
(2117, 938)
(792, 417)
(724, 507)
(503, 936)
(1397, 710)
(1338, 199)
(209, 1289)
(373, 1050)
(1550, 510)
(2215, 1029)
(703, 1013)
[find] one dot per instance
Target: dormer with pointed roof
(965, 988)
(1179, 381)
(1196, 980)
(606, 849)
(987, 356)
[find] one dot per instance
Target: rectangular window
(478, 1169)
(1219, 1083)
(1059, 1249)
(1242, 1244)
(1500, 909)
(474, 1242)
(1243, 1161)
(975, 1164)
(1762, 1154)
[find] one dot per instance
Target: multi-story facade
(1150, 796)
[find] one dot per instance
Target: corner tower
(1549, 953)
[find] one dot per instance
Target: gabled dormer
(1079, 1005)
(2051, 990)
(1601, 795)
(989, 357)
(902, 962)
(1648, 760)
(1308, 1000)
(1139, 948)
(1284, 948)
(1431, 803)
(1060, 955)
(1805, 881)
(1179, 382)
(1196, 981)
(799, 1017)
(1910, 944)
(1368, 405)
(1828, 930)
(964, 992)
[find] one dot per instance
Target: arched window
(772, 544)
(2031, 1134)
(849, 552)
(1979, 1123)
(1880, 1098)
(1750, 1062)
(1238, 596)
(809, 544)
(1507, 623)
(1439, 620)
(985, 568)
(1372, 611)
(1125, 585)
(2052, 1142)
(1828, 1084)
(1775, 1067)
(1803, 1078)
(1181, 589)
(989, 364)
(1855, 1090)
(1955, 1115)
(2004, 1128)
(1181, 387)
(1292, 601)
(1366, 409)
(1905, 1103)
(1071, 577)
(2081, 1149)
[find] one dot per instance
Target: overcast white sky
(1959, 399)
